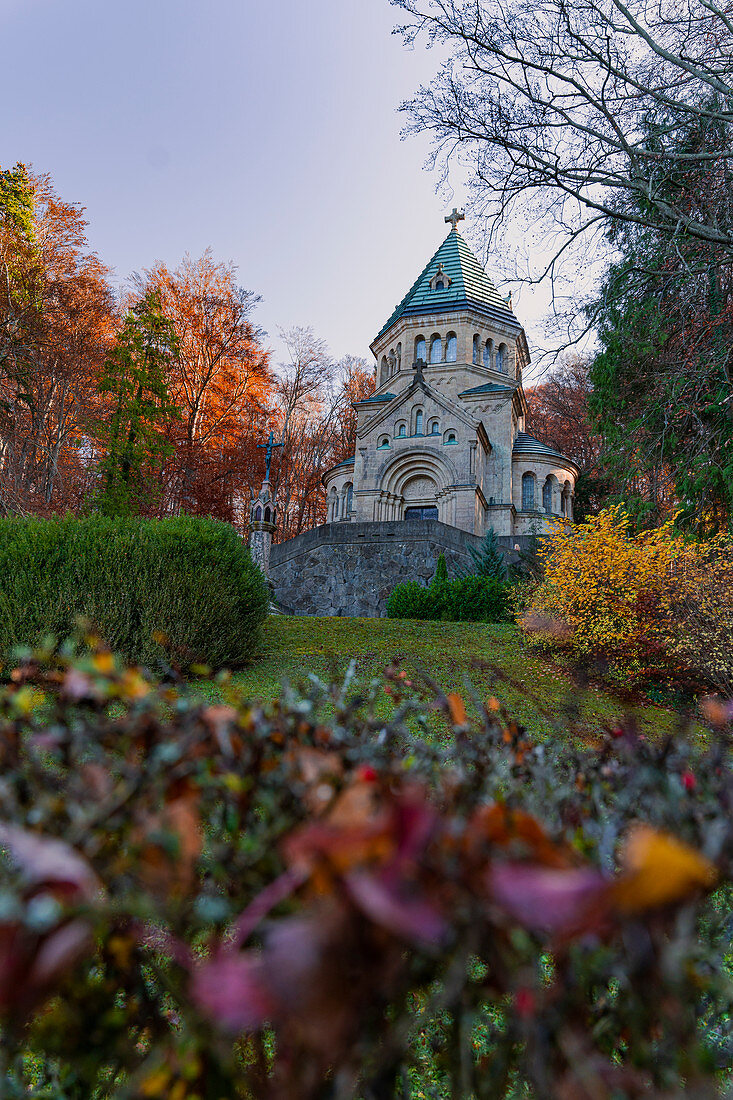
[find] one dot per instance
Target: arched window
(488, 348)
(384, 441)
(477, 349)
(435, 428)
(440, 284)
(528, 492)
(436, 350)
(501, 358)
(349, 497)
(547, 495)
(421, 349)
(450, 437)
(418, 422)
(383, 370)
(398, 356)
(258, 513)
(402, 429)
(451, 348)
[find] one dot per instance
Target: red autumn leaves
(387, 867)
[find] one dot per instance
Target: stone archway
(417, 479)
(420, 498)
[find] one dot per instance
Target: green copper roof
(375, 398)
(525, 444)
(470, 286)
(488, 387)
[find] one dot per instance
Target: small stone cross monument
(263, 515)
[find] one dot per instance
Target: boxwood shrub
(184, 586)
(467, 599)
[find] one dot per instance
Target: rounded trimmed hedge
(469, 599)
(186, 587)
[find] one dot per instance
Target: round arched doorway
(419, 495)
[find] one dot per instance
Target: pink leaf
(46, 861)
(58, 951)
(546, 899)
(389, 903)
(230, 989)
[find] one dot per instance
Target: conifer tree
(488, 560)
(441, 571)
(136, 378)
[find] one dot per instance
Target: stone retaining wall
(351, 568)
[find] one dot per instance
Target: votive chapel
(443, 435)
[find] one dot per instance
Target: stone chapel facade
(443, 436)
(441, 453)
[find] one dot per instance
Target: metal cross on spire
(268, 453)
(455, 218)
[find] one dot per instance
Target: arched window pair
(487, 357)
(436, 348)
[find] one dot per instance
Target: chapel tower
(443, 435)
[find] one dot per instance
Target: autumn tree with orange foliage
(59, 323)
(56, 320)
(221, 381)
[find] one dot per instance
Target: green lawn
(538, 692)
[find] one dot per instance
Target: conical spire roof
(469, 287)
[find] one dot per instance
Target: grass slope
(535, 691)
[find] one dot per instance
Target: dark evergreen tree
(488, 560)
(663, 378)
(136, 379)
(441, 571)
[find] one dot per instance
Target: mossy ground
(494, 658)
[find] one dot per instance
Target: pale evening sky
(267, 130)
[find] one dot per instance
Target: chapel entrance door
(427, 512)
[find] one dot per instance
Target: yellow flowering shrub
(645, 602)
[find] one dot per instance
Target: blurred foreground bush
(649, 605)
(207, 901)
(183, 585)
